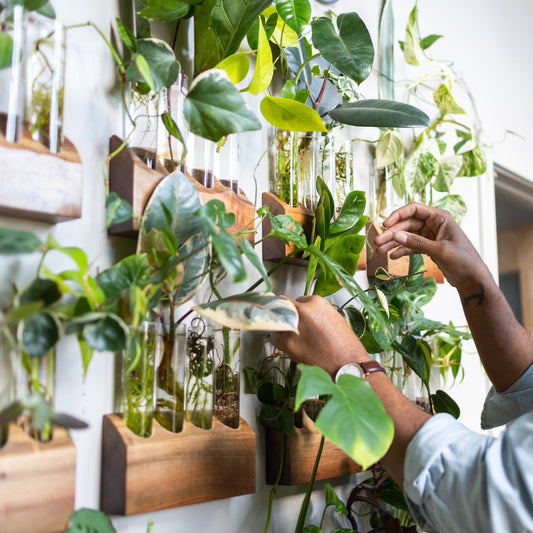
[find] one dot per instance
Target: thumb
(416, 243)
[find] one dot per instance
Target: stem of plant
(307, 498)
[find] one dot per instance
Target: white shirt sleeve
(457, 480)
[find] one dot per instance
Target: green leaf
(176, 195)
(161, 61)
(40, 333)
(132, 270)
(14, 241)
(295, 13)
(269, 24)
(126, 35)
(474, 163)
(86, 354)
(11, 412)
(254, 259)
(417, 355)
(264, 66)
(6, 50)
(421, 166)
(345, 251)
(231, 20)
(271, 393)
(351, 214)
(443, 403)
(448, 170)
(291, 115)
(41, 290)
(224, 244)
(214, 108)
(174, 130)
(206, 53)
(445, 101)
(426, 42)
(164, 10)
(16, 314)
(355, 319)
(288, 230)
(379, 114)
(454, 204)
(412, 51)
(109, 334)
(90, 521)
(353, 419)
(386, 329)
(118, 210)
(252, 311)
(279, 419)
(282, 36)
(350, 51)
(311, 528)
(388, 149)
(236, 66)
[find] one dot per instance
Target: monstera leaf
(252, 311)
(353, 419)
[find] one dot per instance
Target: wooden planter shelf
(134, 182)
(395, 267)
(274, 249)
(37, 482)
(37, 184)
(174, 469)
(300, 453)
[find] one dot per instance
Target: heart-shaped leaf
(214, 108)
(39, 334)
(295, 13)
(291, 115)
(14, 241)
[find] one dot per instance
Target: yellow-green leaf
(389, 148)
(236, 66)
(283, 36)
(446, 102)
(264, 66)
(287, 114)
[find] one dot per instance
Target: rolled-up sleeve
(502, 407)
(459, 480)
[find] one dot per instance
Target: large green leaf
(164, 10)
(118, 210)
(443, 403)
(6, 50)
(353, 419)
(173, 206)
(345, 251)
(295, 13)
(253, 311)
(291, 115)
(422, 166)
(236, 66)
(90, 521)
(417, 354)
(231, 20)
(206, 54)
(109, 333)
(132, 270)
(214, 107)
(14, 241)
(264, 66)
(445, 101)
(288, 230)
(39, 334)
(351, 212)
(389, 148)
(379, 114)
(41, 290)
(351, 50)
(164, 68)
(412, 49)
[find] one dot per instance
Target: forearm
(504, 346)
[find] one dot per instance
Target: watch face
(352, 369)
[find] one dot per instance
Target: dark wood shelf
(174, 469)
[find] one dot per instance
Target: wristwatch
(360, 370)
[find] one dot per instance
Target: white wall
(489, 47)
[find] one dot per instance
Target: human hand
(418, 228)
(324, 338)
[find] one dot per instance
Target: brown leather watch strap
(369, 367)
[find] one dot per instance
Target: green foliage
(291, 115)
(214, 108)
(89, 521)
(14, 241)
(295, 13)
(353, 418)
(6, 50)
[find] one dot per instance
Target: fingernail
(400, 237)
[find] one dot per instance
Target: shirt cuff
(502, 407)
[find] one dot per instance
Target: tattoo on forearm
(480, 296)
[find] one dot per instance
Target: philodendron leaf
(332, 499)
(14, 241)
(118, 210)
(443, 403)
(41, 290)
(417, 354)
(178, 198)
(295, 13)
(236, 66)
(89, 521)
(350, 50)
(40, 334)
(231, 20)
(379, 114)
(164, 10)
(288, 230)
(108, 334)
(132, 270)
(389, 149)
(252, 311)
(264, 66)
(291, 115)
(412, 50)
(162, 63)
(6, 50)
(448, 170)
(214, 108)
(351, 212)
(353, 419)
(445, 101)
